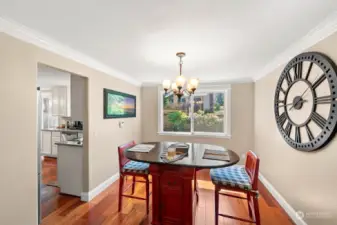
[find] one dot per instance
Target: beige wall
(18, 161)
(242, 109)
(307, 181)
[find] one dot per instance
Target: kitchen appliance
(75, 125)
(78, 125)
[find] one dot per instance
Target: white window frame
(225, 89)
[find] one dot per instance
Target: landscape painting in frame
(118, 104)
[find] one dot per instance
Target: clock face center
(301, 98)
(298, 102)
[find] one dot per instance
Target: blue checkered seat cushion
(136, 167)
(233, 176)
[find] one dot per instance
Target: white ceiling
(223, 39)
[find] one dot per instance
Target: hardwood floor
(49, 170)
(60, 209)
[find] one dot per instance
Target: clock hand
(301, 100)
(295, 104)
(292, 103)
(285, 104)
(305, 92)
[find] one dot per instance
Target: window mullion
(192, 113)
(161, 111)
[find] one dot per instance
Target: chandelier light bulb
(174, 87)
(166, 84)
(180, 81)
(194, 83)
(189, 88)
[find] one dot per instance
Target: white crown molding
(28, 35)
(317, 34)
(297, 217)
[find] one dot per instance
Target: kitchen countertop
(70, 143)
(62, 130)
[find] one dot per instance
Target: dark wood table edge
(190, 166)
(185, 165)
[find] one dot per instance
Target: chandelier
(178, 87)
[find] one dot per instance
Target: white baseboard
(284, 204)
(88, 196)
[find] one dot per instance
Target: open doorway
(61, 106)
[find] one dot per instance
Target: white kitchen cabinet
(61, 101)
(56, 134)
(46, 143)
(70, 169)
(77, 84)
(48, 140)
(54, 146)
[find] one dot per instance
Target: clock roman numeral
(309, 70)
(297, 135)
(319, 81)
(298, 68)
(318, 119)
(282, 102)
(310, 136)
(324, 100)
(283, 91)
(288, 128)
(288, 78)
(282, 118)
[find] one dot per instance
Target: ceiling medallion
(178, 87)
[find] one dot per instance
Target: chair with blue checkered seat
(243, 179)
(133, 169)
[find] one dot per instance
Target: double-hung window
(206, 113)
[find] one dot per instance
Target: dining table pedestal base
(173, 198)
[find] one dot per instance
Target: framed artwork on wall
(118, 104)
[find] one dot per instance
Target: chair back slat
(122, 159)
(252, 168)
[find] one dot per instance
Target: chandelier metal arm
(179, 94)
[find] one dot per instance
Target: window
(176, 115)
(206, 113)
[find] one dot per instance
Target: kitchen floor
(49, 194)
(49, 170)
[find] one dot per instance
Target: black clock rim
(325, 136)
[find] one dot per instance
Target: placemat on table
(141, 148)
(216, 155)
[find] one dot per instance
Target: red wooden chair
(135, 169)
(242, 179)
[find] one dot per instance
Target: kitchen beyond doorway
(62, 113)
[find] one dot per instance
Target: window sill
(186, 134)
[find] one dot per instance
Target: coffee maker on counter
(75, 125)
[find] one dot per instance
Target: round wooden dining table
(173, 198)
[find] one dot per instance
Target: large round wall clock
(305, 101)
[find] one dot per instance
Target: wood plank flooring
(60, 209)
